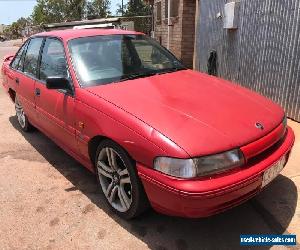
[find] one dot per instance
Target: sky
(12, 10)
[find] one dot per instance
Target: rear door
(26, 74)
(55, 108)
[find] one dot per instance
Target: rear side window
(53, 62)
(21, 63)
(15, 63)
(32, 56)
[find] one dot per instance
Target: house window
(158, 12)
(174, 8)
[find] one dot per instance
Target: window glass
(17, 58)
(21, 63)
(53, 62)
(174, 8)
(150, 56)
(106, 59)
(32, 56)
(158, 12)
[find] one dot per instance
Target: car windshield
(105, 59)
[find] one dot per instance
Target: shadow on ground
(162, 232)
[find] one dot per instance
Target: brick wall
(188, 32)
(181, 32)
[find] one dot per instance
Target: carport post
(169, 23)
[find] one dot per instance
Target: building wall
(262, 54)
(188, 32)
(181, 31)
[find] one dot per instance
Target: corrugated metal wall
(262, 54)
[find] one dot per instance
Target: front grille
(266, 153)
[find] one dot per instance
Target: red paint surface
(194, 109)
(208, 196)
(182, 114)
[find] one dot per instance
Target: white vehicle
(93, 26)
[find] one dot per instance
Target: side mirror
(62, 83)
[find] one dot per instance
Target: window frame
(42, 51)
(37, 76)
(23, 58)
(38, 79)
(34, 77)
(172, 9)
(155, 43)
(158, 18)
(25, 46)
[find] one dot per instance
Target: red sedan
(154, 132)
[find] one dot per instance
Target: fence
(141, 23)
(262, 54)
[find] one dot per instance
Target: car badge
(259, 126)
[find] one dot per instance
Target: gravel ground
(49, 201)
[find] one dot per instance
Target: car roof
(69, 34)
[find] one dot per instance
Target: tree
(121, 10)
(52, 11)
(16, 29)
(74, 9)
(98, 9)
(137, 8)
(48, 11)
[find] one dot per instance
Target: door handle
(37, 92)
(17, 81)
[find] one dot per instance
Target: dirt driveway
(49, 201)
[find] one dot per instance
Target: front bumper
(208, 196)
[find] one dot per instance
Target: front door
(55, 108)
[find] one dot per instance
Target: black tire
(23, 122)
(139, 200)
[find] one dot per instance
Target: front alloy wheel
(114, 179)
(119, 181)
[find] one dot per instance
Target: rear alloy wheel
(119, 181)
(21, 116)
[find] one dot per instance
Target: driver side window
(150, 56)
(53, 62)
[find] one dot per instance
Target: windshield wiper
(137, 75)
(149, 73)
(169, 70)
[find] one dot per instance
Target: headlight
(184, 168)
(219, 163)
(202, 166)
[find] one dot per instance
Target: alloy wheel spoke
(114, 178)
(125, 202)
(109, 189)
(20, 113)
(123, 172)
(113, 193)
(106, 168)
(124, 180)
(105, 173)
(23, 117)
(112, 158)
(124, 176)
(17, 104)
